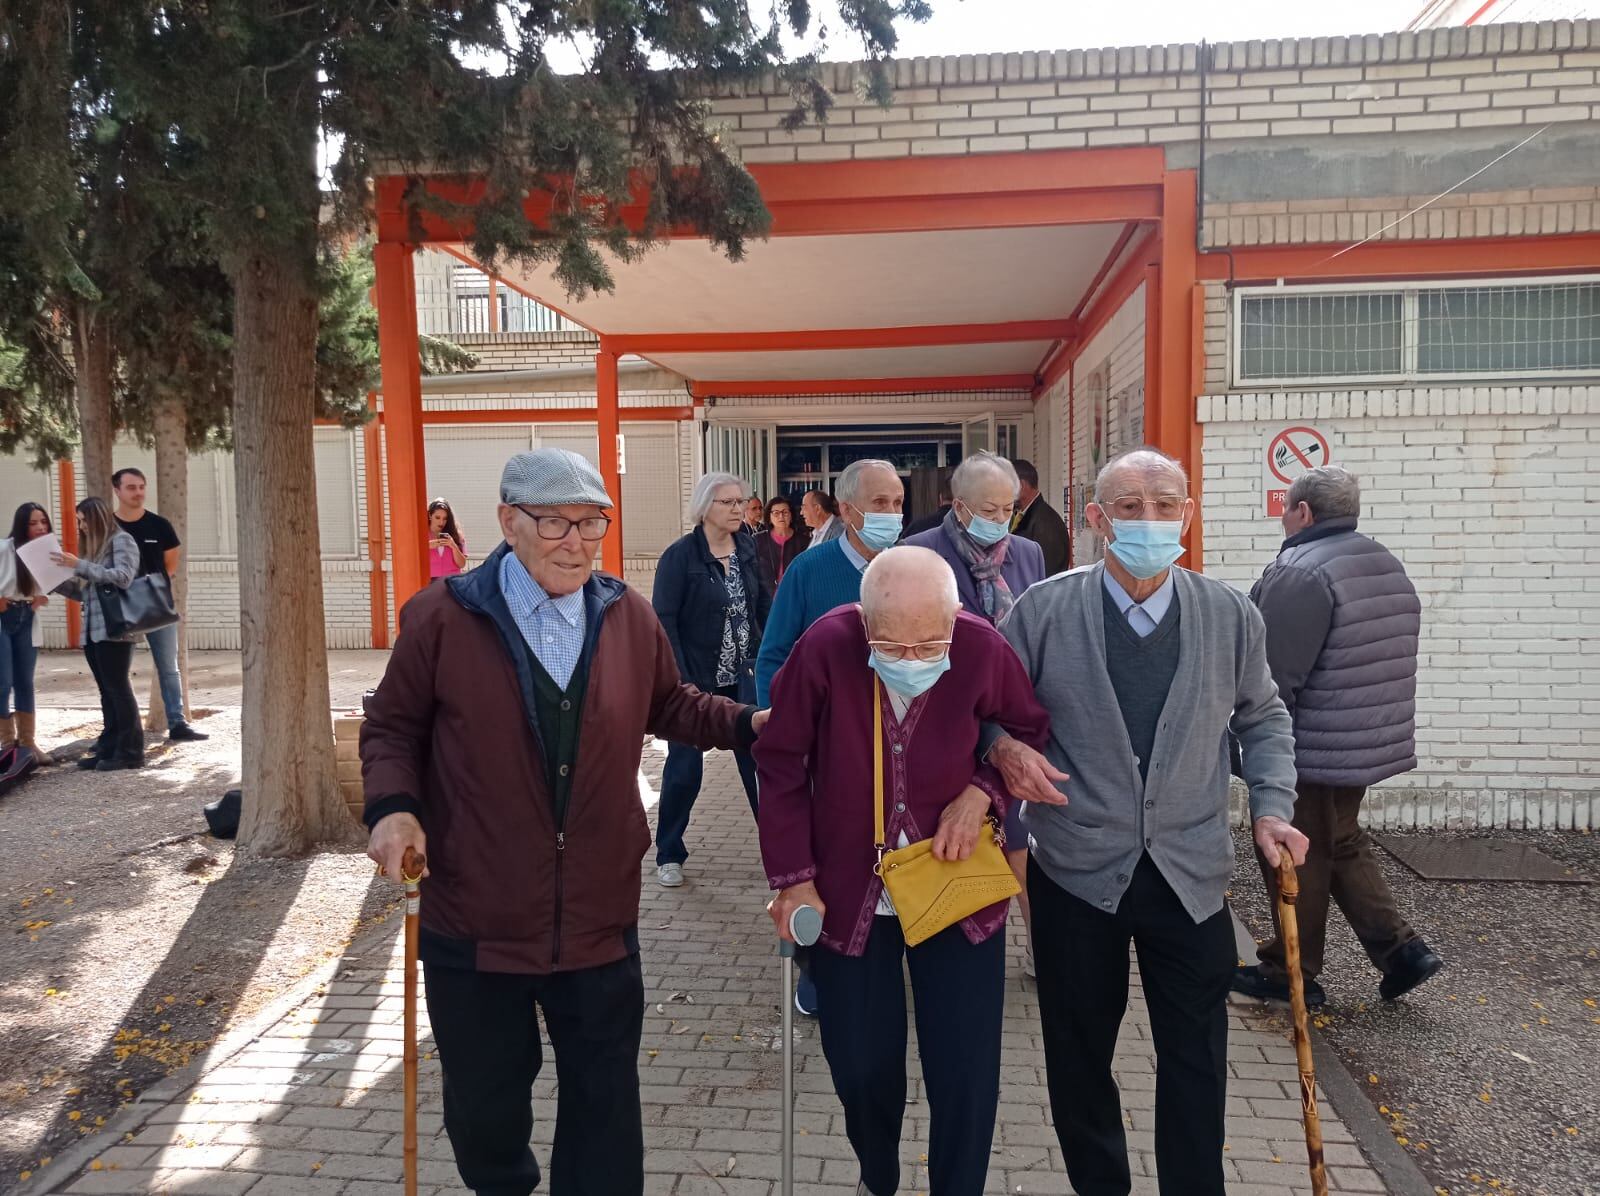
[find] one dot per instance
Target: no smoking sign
(1290, 453)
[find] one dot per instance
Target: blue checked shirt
(551, 627)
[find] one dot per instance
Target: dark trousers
(486, 1028)
(122, 735)
(1081, 954)
(1339, 864)
(680, 786)
(958, 990)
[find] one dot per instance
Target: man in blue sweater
(870, 496)
(827, 575)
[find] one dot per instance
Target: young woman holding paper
(20, 597)
(110, 557)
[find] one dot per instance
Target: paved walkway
(311, 1107)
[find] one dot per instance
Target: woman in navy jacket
(710, 598)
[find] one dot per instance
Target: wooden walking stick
(1289, 927)
(411, 870)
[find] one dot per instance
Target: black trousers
(486, 1028)
(958, 990)
(122, 734)
(1081, 954)
(680, 786)
(1339, 865)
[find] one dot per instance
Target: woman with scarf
(992, 568)
(711, 601)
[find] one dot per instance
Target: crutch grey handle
(805, 926)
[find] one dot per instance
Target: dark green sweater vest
(558, 713)
(1141, 671)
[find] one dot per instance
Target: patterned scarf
(984, 564)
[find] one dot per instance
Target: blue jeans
(18, 657)
(164, 651)
(680, 786)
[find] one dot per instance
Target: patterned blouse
(735, 651)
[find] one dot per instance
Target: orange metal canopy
(932, 273)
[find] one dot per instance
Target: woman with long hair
(110, 556)
(447, 548)
(780, 543)
(20, 597)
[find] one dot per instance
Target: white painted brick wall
(1486, 494)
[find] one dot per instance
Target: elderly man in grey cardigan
(1144, 669)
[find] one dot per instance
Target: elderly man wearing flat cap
(504, 742)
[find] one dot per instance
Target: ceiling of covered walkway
(958, 272)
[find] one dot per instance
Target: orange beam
(67, 487)
(608, 431)
(1578, 252)
(377, 580)
(401, 368)
(851, 386)
(558, 415)
(1170, 423)
(915, 336)
(870, 195)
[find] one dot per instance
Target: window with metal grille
(1405, 332)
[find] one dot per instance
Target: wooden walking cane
(1289, 927)
(411, 870)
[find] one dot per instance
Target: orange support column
(1170, 422)
(402, 416)
(608, 412)
(67, 486)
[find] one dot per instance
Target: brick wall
(529, 350)
(1423, 82)
(1483, 493)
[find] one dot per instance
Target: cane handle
(412, 866)
(1288, 882)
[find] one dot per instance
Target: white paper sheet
(36, 555)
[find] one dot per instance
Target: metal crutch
(1288, 924)
(805, 924)
(411, 870)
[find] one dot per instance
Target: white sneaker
(669, 876)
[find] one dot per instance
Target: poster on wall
(1096, 389)
(1129, 406)
(1290, 453)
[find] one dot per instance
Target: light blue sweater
(821, 578)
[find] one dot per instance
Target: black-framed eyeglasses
(556, 527)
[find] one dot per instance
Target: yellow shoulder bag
(930, 894)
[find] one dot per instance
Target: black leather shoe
(1252, 982)
(1409, 967)
(117, 765)
(183, 731)
(89, 763)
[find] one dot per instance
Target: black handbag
(146, 605)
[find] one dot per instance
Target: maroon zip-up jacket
(451, 736)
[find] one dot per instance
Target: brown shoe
(26, 722)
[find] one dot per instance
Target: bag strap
(877, 775)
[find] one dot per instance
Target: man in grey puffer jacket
(1342, 624)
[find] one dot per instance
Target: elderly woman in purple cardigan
(939, 673)
(992, 569)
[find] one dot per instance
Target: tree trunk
(172, 485)
(291, 791)
(92, 351)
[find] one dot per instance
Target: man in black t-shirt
(159, 552)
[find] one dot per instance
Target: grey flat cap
(552, 477)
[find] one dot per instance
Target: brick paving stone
(313, 1105)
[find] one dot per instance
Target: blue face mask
(987, 532)
(879, 531)
(909, 678)
(1147, 546)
